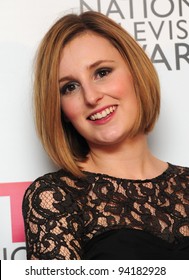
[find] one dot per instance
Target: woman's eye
(103, 72)
(68, 88)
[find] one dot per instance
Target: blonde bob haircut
(63, 143)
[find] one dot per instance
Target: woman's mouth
(103, 114)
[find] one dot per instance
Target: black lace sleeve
(52, 222)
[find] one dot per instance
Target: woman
(97, 97)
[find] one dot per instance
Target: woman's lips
(102, 114)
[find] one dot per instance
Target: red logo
(16, 192)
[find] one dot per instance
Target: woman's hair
(63, 143)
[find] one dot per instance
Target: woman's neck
(131, 160)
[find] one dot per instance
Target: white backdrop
(160, 26)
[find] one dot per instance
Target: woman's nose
(92, 95)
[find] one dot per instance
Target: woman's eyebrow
(91, 66)
(98, 62)
(66, 78)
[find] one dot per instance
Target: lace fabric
(63, 213)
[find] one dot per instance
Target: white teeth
(102, 114)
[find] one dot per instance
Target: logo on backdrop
(157, 25)
(13, 194)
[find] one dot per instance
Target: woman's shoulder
(180, 170)
(53, 193)
(179, 175)
(52, 182)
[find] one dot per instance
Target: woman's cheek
(71, 111)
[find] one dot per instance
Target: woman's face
(97, 92)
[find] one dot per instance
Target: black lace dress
(103, 217)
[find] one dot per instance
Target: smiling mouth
(103, 114)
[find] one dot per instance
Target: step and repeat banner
(162, 29)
